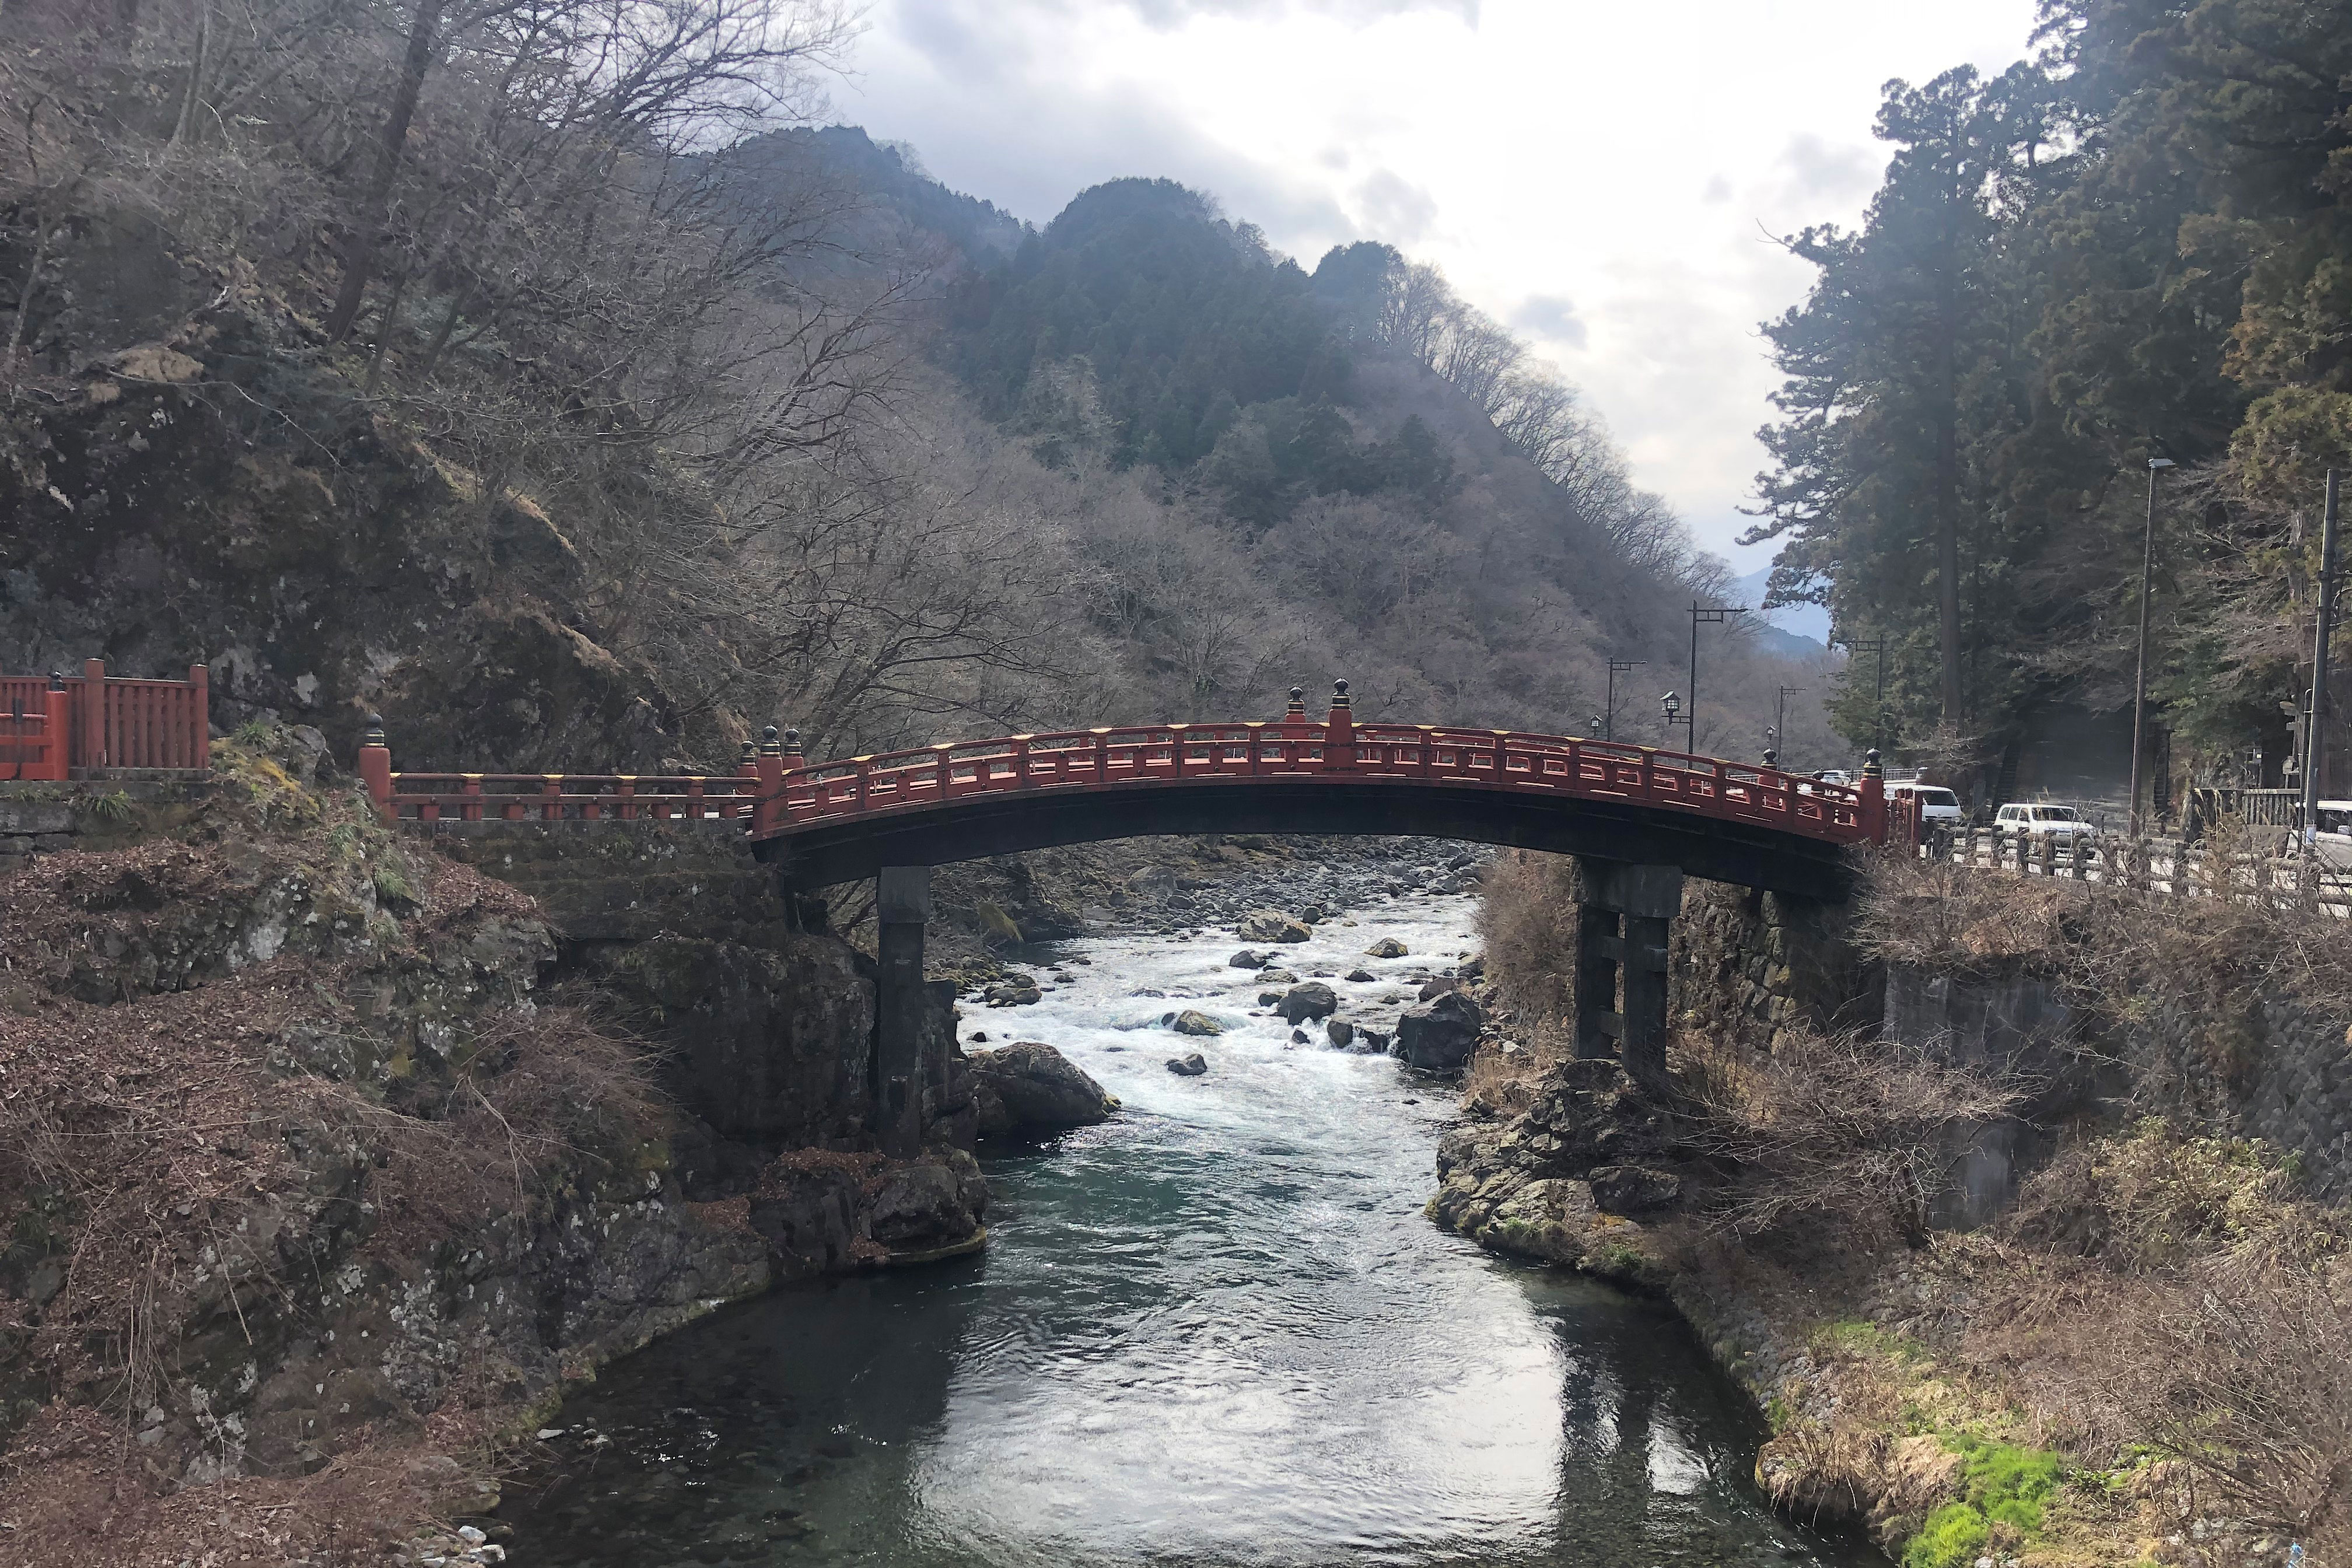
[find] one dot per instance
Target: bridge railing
(734, 798)
(109, 721)
(1176, 753)
(777, 790)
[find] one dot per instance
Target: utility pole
(1617, 667)
(1781, 715)
(1876, 647)
(2319, 661)
(1713, 615)
(2140, 680)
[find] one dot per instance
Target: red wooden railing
(776, 791)
(564, 797)
(35, 736)
(109, 721)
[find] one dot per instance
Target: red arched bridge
(1639, 820)
(828, 822)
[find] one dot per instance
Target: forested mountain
(2131, 247)
(391, 356)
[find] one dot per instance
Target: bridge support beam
(1625, 914)
(902, 903)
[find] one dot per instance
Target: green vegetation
(2128, 248)
(2002, 1484)
(1953, 1537)
(114, 807)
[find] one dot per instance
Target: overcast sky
(1601, 176)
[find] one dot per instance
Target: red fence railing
(776, 791)
(35, 736)
(109, 722)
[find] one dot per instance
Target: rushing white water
(1217, 1329)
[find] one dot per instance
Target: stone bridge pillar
(902, 903)
(1621, 943)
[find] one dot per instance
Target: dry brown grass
(168, 1155)
(1838, 1132)
(2112, 946)
(1527, 922)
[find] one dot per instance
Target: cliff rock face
(207, 496)
(766, 1031)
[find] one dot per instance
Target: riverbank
(329, 1162)
(2003, 1297)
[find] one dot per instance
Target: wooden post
(376, 765)
(1874, 794)
(1339, 730)
(795, 761)
(2049, 855)
(767, 767)
(200, 724)
(89, 728)
(1633, 960)
(56, 734)
(902, 904)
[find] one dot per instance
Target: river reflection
(1216, 1330)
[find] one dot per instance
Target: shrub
(1842, 1127)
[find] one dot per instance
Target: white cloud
(1632, 159)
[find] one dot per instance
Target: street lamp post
(1672, 704)
(2311, 780)
(2139, 676)
(1617, 667)
(1712, 615)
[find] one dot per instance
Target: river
(1216, 1329)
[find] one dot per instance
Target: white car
(2043, 822)
(1939, 808)
(2332, 845)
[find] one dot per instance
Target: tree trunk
(367, 233)
(1947, 562)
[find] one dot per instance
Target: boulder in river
(1433, 990)
(1276, 977)
(1341, 1033)
(1268, 998)
(1020, 991)
(1359, 976)
(1273, 925)
(1028, 1089)
(1190, 1022)
(1298, 1037)
(1245, 959)
(1152, 882)
(1314, 914)
(1371, 1043)
(1439, 1037)
(1312, 1000)
(1192, 1066)
(1387, 947)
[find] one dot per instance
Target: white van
(2043, 822)
(1939, 808)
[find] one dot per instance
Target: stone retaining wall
(41, 818)
(1747, 964)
